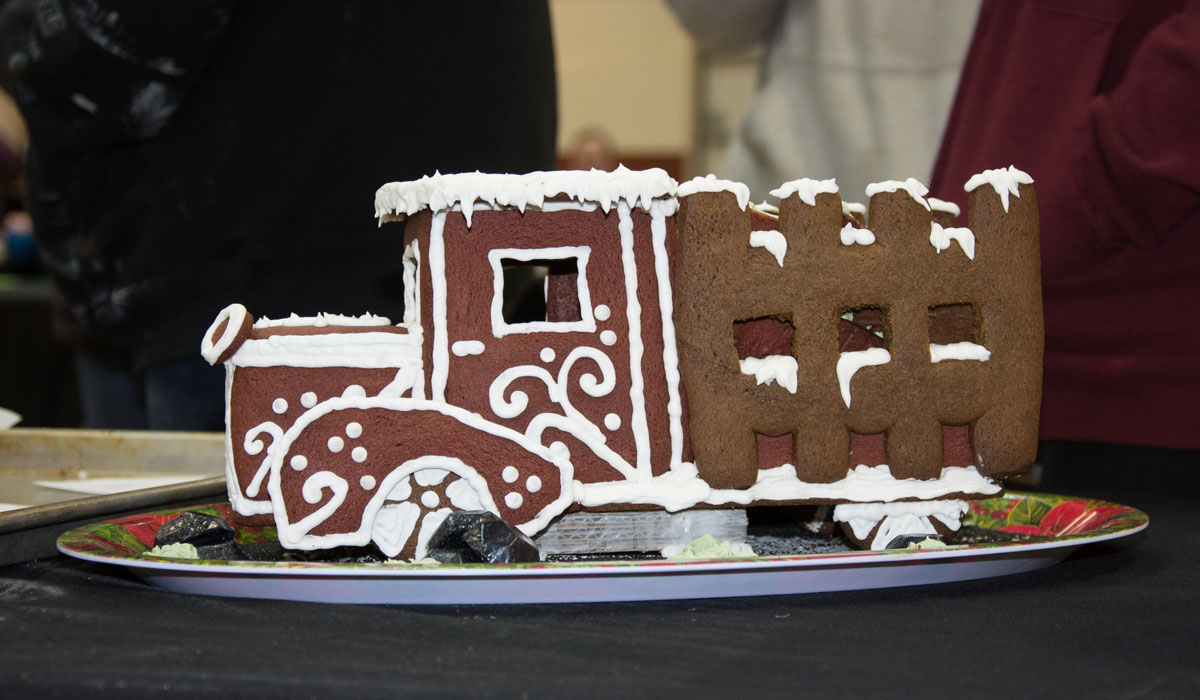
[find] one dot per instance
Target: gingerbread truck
(686, 352)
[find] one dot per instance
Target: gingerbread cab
(615, 341)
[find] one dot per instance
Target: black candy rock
(479, 537)
(212, 537)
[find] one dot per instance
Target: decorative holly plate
(1010, 534)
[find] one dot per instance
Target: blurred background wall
(628, 68)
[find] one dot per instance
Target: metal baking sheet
(28, 455)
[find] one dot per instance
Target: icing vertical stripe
(666, 306)
(633, 312)
(437, 278)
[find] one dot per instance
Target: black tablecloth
(1114, 620)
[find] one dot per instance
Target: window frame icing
(580, 254)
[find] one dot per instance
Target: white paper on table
(8, 418)
(10, 506)
(102, 486)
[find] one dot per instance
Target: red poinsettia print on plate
(1069, 518)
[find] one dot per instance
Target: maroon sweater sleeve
(1138, 146)
(1094, 99)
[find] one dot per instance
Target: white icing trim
(235, 314)
(411, 265)
(440, 193)
(551, 207)
(367, 350)
(851, 235)
(1004, 181)
(912, 186)
(850, 362)
(463, 348)
(322, 321)
(941, 237)
(393, 526)
(807, 188)
(638, 422)
(679, 488)
(766, 208)
(942, 205)
(861, 483)
(666, 307)
(772, 240)
(896, 519)
(586, 322)
(710, 183)
(958, 351)
(772, 368)
(855, 208)
(440, 371)
(682, 488)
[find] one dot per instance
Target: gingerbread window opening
(863, 328)
(765, 350)
(958, 446)
(953, 323)
(955, 333)
(774, 450)
(869, 449)
(541, 290)
(764, 336)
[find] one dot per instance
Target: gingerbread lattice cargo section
(909, 342)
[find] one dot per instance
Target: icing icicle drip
(441, 193)
(912, 186)
(1004, 181)
(772, 368)
(958, 351)
(850, 362)
(807, 188)
(940, 238)
(710, 183)
(322, 321)
(772, 241)
(942, 205)
(852, 235)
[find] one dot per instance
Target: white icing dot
(547, 355)
(336, 444)
(510, 474)
(367, 482)
(612, 421)
(602, 312)
(533, 484)
(513, 500)
(429, 499)
(279, 406)
(353, 430)
(608, 338)
(354, 391)
(560, 448)
(299, 462)
(359, 454)
(308, 399)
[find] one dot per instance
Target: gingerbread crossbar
(909, 398)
